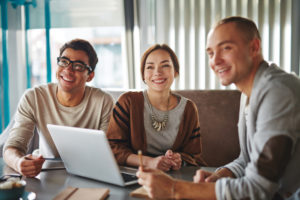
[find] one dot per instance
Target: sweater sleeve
(106, 112)
(22, 131)
(190, 148)
(237, 167)
(271, 147)
(118, 132)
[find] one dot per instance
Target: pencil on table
(141, 159)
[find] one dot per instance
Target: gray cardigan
(269, 139)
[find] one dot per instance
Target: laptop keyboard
(128, 177)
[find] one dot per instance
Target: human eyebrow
(208, 49)
(77, 61)
(65, 57)
(226, 42)
(165, 61)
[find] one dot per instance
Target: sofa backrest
(218, 115)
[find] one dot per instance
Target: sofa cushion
(218, 115)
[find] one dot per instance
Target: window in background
(109, 71)
(37, 49)
(184, 25)
(107, 43)
(98, 21)
(1, 67)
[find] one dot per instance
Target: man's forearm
(224, 172)
(189, 190)
(11, 157)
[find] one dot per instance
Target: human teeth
(223, 70)
(158, 81)
(66, 79)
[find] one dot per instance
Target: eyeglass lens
(76, 65)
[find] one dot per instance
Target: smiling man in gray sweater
(69, 102)
(269, 124)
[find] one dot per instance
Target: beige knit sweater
(39, 107)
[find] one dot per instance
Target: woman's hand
(176, 158)
(160, 162)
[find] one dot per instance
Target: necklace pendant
(158, 126)
(154, 124)
(163, 124)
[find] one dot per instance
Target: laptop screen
(87, 153)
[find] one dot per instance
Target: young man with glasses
(69, 102)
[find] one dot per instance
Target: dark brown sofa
(218, 114)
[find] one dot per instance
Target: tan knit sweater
(39, 107)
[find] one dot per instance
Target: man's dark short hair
(82, 45)
(246, 26)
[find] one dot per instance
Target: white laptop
(87, 153)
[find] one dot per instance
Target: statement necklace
(156, 124)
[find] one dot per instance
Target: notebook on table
(87, 153)
(72, 193)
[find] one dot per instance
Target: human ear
(255, 46)
(91, 76)
(176, 74)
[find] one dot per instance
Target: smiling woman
(159, 72)
(162, 124)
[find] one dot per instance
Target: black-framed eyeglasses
(76, 65)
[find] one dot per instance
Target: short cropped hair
(246, 26)
(82, 45)
(164, 47)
